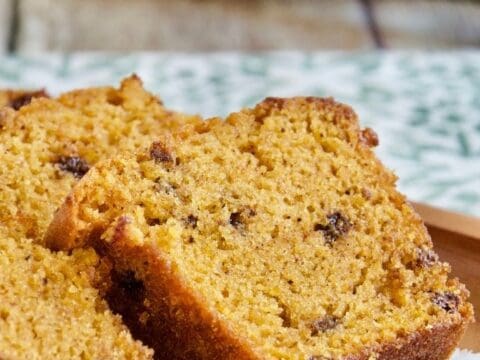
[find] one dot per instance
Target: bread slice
(275, 234)
(48, 145)
(49, 310)
(48, 307)
(19, 98)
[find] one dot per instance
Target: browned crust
(340, 111)
(62, 233)
(19, 98)
(343, 115)
(319, 102)
(436, 343)
(115, 96)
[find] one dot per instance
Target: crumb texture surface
(49, 310)
(47, 145)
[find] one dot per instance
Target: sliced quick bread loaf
(276, 234)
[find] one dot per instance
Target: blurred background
(28, 26)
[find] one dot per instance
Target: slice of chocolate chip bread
(49, 310)
(48, 145)
(275, 234)
(18, 98)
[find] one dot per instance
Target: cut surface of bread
(49, 310)
(19, 98)
(49, 144)
(275, 234)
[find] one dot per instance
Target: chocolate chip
(235, 219)
(191, 220)
(240, 218)
(323, 324)
(251, 212)
(26, 99)
(160, 153)
(337, 225)
(369, 137)
(426, 257)
(447, 301)
(153, 222)
(318, 357)
(73, 164)
(131, 286)
(285, 316)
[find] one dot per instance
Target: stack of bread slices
(129, 231)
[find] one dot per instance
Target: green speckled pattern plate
(424, 106)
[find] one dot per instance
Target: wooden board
(188, 25)
(456, 238)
